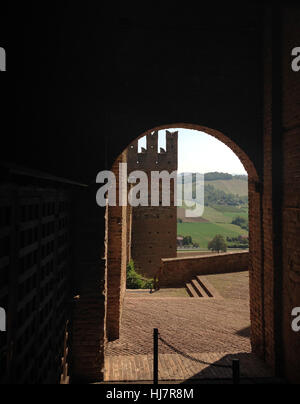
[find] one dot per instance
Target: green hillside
(231, 185)
(202, 233)
(223, 214)
(225, 199)
(234, 186)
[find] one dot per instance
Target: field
(202, 233)
(234, 186)
(217, 214)
(216, 219)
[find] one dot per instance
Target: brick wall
(175, 272)
(153, 229)
(117, 234)
(35, 264)
(88, 276)
(291, 193)
(281, 190)
(267, 300)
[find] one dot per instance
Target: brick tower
(154, 228)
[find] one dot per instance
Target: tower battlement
(150, 159)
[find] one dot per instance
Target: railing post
(155, 356)
(236, 371)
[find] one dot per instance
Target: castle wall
(154, 228)
(175, 272)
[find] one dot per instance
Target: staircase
(200, 287)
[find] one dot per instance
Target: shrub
(135, 280)
(240, 221)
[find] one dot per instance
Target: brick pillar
(291, 192)
(116, 253)
(268, 214)
(88, 336)
(256, 266)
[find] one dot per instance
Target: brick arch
(118, 252)
(245, 160)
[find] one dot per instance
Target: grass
(234, 186)
(231, 215)
(213, 215)
(202, 233)
(223, 213)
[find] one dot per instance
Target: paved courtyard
(204, 330)
(194, 325)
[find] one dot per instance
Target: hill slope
(233, 186)
(219, 210)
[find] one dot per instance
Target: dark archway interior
(82, 83)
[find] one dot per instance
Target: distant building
(179, 241)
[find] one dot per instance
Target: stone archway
(118, 238)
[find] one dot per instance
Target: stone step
(199, 289)
(191, 290)
(208, 287)
(204, 286)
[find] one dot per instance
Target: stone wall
(175, 272)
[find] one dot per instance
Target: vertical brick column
(268, 213)
(256, 266)
(116, 253)
(88, 336)
(291, 192)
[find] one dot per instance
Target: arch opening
(117, 267)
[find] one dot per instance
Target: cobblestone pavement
(189, 324)
(212, 330)
(176, 367)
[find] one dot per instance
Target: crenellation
(149, 159)
(171, 141)
(152, 142)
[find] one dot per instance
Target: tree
(187, 240)
(218, 243)
(241, 221)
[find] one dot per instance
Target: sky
(200, 152)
